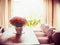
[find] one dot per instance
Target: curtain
(5, 13)
(25, 8)
(2, 12)
(53, 13)
(57, 14)
(49, 12)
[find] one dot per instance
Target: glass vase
(18, 30)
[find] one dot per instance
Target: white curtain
(2, 13)
(57, 15)
(49, 12)
(5, 13)
(25, 8)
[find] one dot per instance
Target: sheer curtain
(54, 14)
(5, 13)
(57, 14)
(2, 13)
(49, 12)
(29, 8)
(25, 8)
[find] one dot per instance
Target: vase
(18, 33)
(19, 30)
(17, 38)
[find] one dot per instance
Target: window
(29, 8)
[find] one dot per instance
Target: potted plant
(18, 22)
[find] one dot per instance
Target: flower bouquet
(18, 22)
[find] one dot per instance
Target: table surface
(28, 37)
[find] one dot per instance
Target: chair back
(56, 38)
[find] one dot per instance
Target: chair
(48, 44)
(45, 38)
(56, 38)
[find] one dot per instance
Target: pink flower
(18, 21)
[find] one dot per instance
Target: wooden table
(28, 37)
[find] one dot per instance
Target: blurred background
(35, 11)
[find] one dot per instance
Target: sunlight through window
(29, 8)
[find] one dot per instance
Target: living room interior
(42, 18)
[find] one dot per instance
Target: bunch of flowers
(18, 21)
